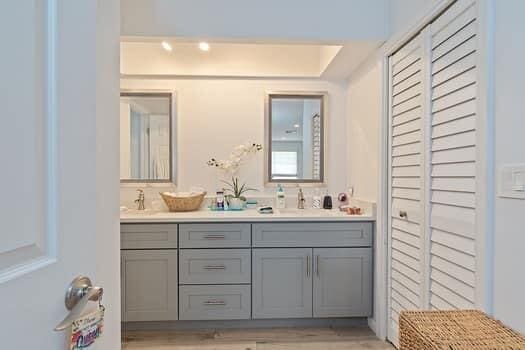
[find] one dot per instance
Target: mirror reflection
(145, 137)
(296, 138)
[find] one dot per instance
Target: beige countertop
(249, 215)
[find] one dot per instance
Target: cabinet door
(149, 285)
(282, 283)
(342, 282)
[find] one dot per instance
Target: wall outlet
(512, 181)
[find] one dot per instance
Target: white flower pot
(236, 204)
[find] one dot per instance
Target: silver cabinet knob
(403, 214)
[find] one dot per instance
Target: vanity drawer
(214, 266)
(215, 302)
(215, 235)
(148, 236)
(352, 234)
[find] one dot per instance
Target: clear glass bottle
(316, 200)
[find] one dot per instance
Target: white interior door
(59, 151)
(453, 158)
(407, 182)
(434, 167)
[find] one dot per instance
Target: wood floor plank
(255, 339)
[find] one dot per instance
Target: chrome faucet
(140, 200)
(300, 199)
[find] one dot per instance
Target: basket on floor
(183, 203)
(455, 330)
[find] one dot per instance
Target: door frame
(485, 172)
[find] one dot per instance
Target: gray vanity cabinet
(342, 284)
(241, 271)
(282, 283)
(149, 285)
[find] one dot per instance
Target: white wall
(214, 115)
(405, 13)
(107, 255)
(364, 111)
(509, 244)
(329, 20)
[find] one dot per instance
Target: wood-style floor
(255, 339)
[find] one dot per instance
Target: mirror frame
(323, 95)
(172, 132)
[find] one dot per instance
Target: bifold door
(433, 166)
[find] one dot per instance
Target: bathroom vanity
(239, 266)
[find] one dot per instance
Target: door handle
(318, 258)
(308, 266)
(403, 214)
(78, 294)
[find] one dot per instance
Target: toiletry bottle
(316, 200)
(220, 200)
(327, 201)
(280, 202)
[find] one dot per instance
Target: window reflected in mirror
(145, 137)
(296, 126)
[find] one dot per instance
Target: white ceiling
(148, 58)
(285, 114)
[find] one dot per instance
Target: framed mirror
(295, 127)
(146, 137)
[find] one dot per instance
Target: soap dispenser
(280, 201)
(327, 201)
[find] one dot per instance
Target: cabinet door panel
(149, 285)
(342, 282)
(282, 283)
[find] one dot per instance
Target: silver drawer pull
(308, 266)
(318, 261)
(215, 267)
(403, 214)
(215, 303)
(215, 237)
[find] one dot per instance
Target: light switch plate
(511, 179)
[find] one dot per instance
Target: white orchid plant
(238, 155)
(232, 165)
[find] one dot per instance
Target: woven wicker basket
(183, 203)
(455, 330)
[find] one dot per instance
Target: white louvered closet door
(407, 182)
(453, 158)
(433, 122)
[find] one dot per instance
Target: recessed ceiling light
(167, 46)
(296, 126)
(204, 46)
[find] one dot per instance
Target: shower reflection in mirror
(146, 148)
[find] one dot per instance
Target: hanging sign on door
(87, 329)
